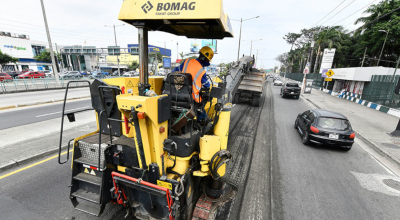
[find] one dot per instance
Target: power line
(355, 12)
(69, 31)
(57, 31)
(376, 19)
(329, 13)
(63, 36)
(339, 11)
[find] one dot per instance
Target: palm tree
(328, 38)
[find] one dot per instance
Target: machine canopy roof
(203, 19)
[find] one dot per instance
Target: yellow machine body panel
(131, 84)
(209, 145)
(192, 19)
(150, 131)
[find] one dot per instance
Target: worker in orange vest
(195, 67)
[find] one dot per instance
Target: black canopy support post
(396, 132)
(143, 35)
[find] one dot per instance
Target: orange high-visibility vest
(196, 70)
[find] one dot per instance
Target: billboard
(327, 59)
(196, 45)
(210, 43)
(167, 62)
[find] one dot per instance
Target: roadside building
(355, 79)
(22, 47)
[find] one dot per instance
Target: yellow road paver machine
(150, 153)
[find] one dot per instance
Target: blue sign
(167, 62)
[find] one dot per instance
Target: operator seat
(178, 86)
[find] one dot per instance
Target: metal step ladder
(89, 193)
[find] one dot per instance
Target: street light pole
(53, 60)
(387, 33)
(115, 36)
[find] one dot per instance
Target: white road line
(61, 112)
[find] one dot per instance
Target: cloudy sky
(80, 22)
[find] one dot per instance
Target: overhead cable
(355, 12)
(329, 13)
(339, 12)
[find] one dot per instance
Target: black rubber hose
(135, 121)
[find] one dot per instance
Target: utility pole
(240, 37)
(240, 34)
(365, 53)
(397, 131)
(50, 44)
(115, 36)
(387, 33)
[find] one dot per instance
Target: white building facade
(21, 47)
(354, 79)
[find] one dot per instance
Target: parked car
(278, 83)
(27, 70)
(115, 73)
(276, 78)
(325, 127)
(47, 73)
(130, 74)
(4, 77)
(71, 75)
(85, 73)
(31, 75)
(13, 74)
(290, 89)
(98, 74)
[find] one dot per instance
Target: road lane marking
(30, 166)
(383, 166)
(61, 112)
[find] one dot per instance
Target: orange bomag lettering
(176, 6)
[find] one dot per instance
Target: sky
(82, 22)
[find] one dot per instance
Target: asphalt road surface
(278, 177)
(29, 115)
(317, 182)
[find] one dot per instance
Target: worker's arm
(179, 68)
(204, 81)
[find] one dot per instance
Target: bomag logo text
(175, 6)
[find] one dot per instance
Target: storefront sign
(15, 47)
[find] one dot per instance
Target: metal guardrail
(34, 84)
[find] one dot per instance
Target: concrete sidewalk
(40, 139)
(370, 125)
(15, 100)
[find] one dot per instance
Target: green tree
(370, 37)
(45, 56)
(157, 55)
(291, 38)
(328, 37)
(134, 65)
(5, 58)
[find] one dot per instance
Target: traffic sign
(305, 71)
(328, 79)
(330, 73)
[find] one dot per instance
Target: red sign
(178, 60)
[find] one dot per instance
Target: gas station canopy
(203, 19)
